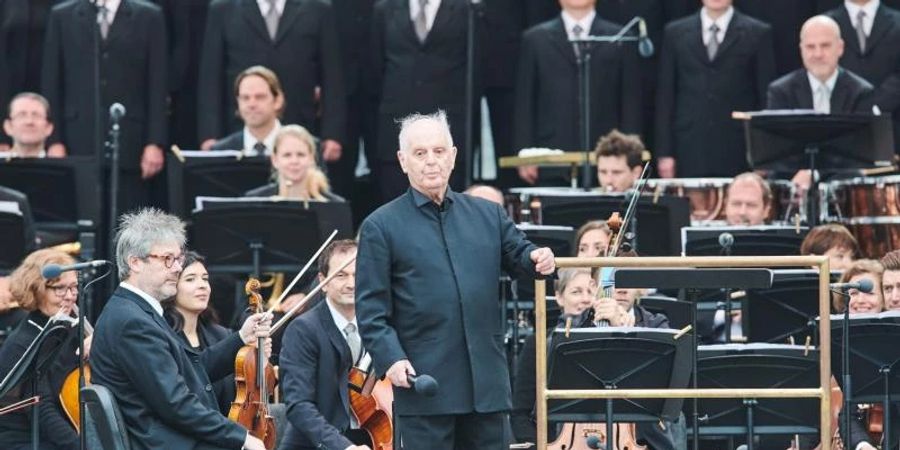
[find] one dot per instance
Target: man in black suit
(821, 84)
(547, 94)
(427, 294)
(418, 64)
(315, 344)
(297, 39)
(712, 63)
(161, 385)
(877, 57)
(260, 102)
(133, 64)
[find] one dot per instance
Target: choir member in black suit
(704, 77)
(827, 5)
(877, 57)
(23, 24)
(298, 40)
(133, 72)
(418, 64)
(162, 386)
(43, 299)
(785, 17)
(319, 349)
(260, 103)
(547, 93)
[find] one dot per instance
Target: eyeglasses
(169, 259)
(60, 290)
(22, 115)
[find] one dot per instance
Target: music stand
(658, 220)
(618, 358)
(870, 358)
(760, 240)
(212, 173)
(793, 140)
(39, 355)
(758, 366)
(12, 241)
(785, 312)
(678, 312)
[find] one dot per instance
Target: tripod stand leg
(750, 403)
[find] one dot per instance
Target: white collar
(264, 6)
(339, 320)
(870, 8)
(585, 23)
(722, 22)
(111, 7)
(154, 303)
(814, 82)
(269, 141)
(431, 9)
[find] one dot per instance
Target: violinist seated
(619, 161)
(192, 318)
(592, 239)
(748, 200)
(859, 437)
(43, 299)
(315, 344)
(834, 241)
(296, 172)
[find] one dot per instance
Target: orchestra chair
(106, 422)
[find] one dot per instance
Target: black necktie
(260, 148)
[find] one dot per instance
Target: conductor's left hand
(544, 261)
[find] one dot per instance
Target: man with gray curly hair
(162, 387)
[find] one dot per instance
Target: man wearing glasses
(28, 125)
(163, 388)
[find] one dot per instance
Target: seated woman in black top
(191, 317)
(295, 171)
(43, 299)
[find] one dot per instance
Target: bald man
(821, 84)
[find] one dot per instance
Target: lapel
(87, 16)
(694, 39)
(840, 97)
(560, 39)
(290, 15)
(144, 306)
(402, 20)
(880, 26)
(334, 335)
(732, 35)
(122, 24)
(251, 13)
(848, 32)
(804, 91)
(441, 19)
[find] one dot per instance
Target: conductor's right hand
(252, 443)
(397, 373)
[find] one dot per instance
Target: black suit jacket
(408, 77)
(880, 64)
(426, 290)
(696, 97)
(786, 17)
(234, 141)
(547, 112)
(133, 72)
(354, 23)
(792, 91)
(305, 54)
(162, 387)
(314, 365)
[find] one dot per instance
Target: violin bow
(302, 272)
(290, 313)
(20, 404)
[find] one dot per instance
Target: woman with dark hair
(43, 299)
(834, 241)
(190, 315)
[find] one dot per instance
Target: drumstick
(313, 292)
(302, 271)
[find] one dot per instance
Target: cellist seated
(314, 344)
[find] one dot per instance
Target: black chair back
(103, 419)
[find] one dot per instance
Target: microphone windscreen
(593, 441)
(866, 285)
(645, 47)
(426, 385)
(51, 271)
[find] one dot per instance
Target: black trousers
(454, 432)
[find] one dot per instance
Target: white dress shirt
(585, 23)
(264, 6)
(431, 9)
(154, 303)
(111, 7)
(269, 141)
(722, 22)
(822, 92)
(870, 9)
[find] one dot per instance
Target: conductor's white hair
(440, 117)
(141, 230)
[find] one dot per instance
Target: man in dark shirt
(427, 296)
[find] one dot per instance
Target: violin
(371, 402)
(255, 381)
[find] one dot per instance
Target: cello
(371, 402)
(69, 391)
(255, 381)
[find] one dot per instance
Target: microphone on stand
(645, 45)
(864, 285)
(726, 241)
(116, 112)
(51, 271)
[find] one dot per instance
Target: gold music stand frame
(823, 392)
